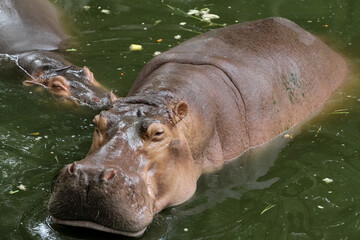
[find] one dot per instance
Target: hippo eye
(158, 134)
(58, 87)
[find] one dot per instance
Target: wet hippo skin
(195, 106)
(29, 30)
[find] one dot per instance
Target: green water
(228, 203)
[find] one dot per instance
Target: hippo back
(281, 72)
(27, 25)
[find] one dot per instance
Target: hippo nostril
(71, 168)
(95, 99)
(109, 174)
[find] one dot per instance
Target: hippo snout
(102, 198)
(98, 100)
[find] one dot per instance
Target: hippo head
(50, 70)
(77, 85)
(139, 163)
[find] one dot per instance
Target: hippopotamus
(30, 32)
(191, 108)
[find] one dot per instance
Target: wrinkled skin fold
(193, 107)
(29, 31)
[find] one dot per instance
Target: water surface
(38, 135)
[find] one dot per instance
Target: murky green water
(228, 204)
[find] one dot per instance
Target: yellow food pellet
(135, 47)
(288, 136)
(36, 133)
(326, 25)
(159, 40)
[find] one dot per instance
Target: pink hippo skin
(195, 106)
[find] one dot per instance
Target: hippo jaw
(96, 226)
(101, 199)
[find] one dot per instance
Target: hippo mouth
(96, 226)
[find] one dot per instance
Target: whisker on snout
(54, 180)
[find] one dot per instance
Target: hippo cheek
(101, 199)
(172, 178)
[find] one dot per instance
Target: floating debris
(13, 192)
(38, 138)
(208, 17)
(193, 12)
(321, 207)
(157, 22)
(186, 229)
(182, 23)
(21, 187)
(270, 206)
(319, 129)
(71, 50)
(204, 11)
(135, 47)
(287, 135)
(327, 180)
(201, 15)
(341, 111)
(86, 8)
(177, 37)
(105, 11)
(156, 53)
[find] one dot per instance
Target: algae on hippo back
(201, 103)
(31, 41)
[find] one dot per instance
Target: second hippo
(29, 38)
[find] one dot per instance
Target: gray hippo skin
(29, 30)
(194, 107)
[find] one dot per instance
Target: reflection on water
(236, 177)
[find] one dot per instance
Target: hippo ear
(180, 111)
(113, 98)
(88, 74)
